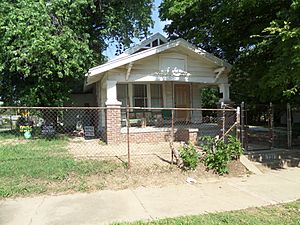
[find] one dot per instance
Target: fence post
(223, 121)
(271, 112)
(172, 136)
(243, 126)
(238, 123)
(289, 125)
(128, 138)
(10, 122)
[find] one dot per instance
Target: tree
(261, 39)
(47, 46)
(210, 97)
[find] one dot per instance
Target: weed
(218, 153)
(189, 156)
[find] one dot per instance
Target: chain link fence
(268, 126)
(134, 137)
(294, 121)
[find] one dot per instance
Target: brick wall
(161, 136)
(113, 124)
(114, 135)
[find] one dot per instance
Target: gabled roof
(146, 44)
(134, 54)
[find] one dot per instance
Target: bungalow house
(156, 73)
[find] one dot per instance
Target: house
(157, 73)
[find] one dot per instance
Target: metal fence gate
(270, 126)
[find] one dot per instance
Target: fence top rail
(115, 107)
(177, 109)
(62, 107)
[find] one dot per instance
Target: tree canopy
(260, 38)
(46, 46)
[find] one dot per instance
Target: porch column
(225, 118)
(113, 114)
(196, 103)
(112, 93)
(224, 89)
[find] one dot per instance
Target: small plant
(101, 142)
(218, 154)
(234, 147)
(189, 156)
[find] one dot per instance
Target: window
(140, 95)
(122, 94)
(172, 65)
(155, 43)
(156, 95)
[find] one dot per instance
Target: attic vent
(155, 43)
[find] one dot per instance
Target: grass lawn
(44, 166)
(282, 214)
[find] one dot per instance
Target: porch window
(122, 94)
(156, 95)
(140, 95)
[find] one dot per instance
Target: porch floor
(203, 129)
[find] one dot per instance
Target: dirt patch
(121, 178)
(141, 155)
(159, 176)
(150, 166)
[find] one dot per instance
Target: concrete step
(276, 158)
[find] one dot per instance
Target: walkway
(105, 207)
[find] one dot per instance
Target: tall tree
(47, 45)
(261, 39)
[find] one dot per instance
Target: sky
(158, 27)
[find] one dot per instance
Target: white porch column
(113, 114)
(224, 89)
(168, 95)
(112, 93)
(196, 103)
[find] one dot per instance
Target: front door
(182, 100)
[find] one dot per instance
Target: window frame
(160, 97)
(143, 98)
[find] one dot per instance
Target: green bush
(189, 156)
(234, 147)
(218, 153)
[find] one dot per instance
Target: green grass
(39, 166)
(4, 135)
(287, 214)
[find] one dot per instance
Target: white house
(161, 74)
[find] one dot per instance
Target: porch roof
(94, 74)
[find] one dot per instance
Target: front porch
(148, 111)
(156, 77)
(125, 129)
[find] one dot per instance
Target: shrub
(234, 147)
(189, 156)
(218, 154)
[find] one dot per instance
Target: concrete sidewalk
(105, 207)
